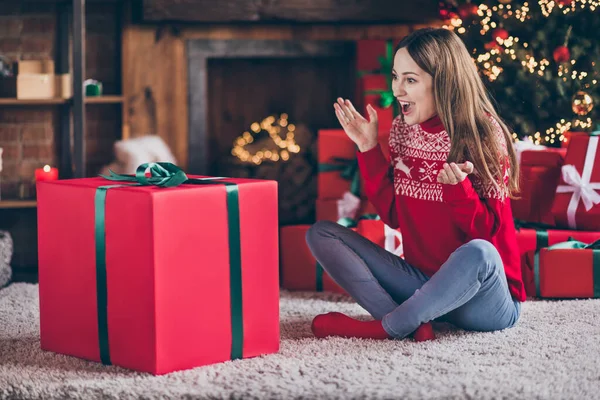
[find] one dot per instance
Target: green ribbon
(348, 223)
(541, 231)
(571, 244)
(386, 96)
(348, 169)
(167, 175)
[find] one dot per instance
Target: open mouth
(406, 106)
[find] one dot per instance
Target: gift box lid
(550, 157)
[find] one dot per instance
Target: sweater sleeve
(477, 208)
(377, 175)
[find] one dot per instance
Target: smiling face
(413, 88)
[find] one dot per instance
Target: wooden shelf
(18, 204)
(31, 102)
(111, 99)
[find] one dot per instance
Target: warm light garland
(282, 148)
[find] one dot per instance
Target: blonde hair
(463, 106)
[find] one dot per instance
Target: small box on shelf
(35, 79)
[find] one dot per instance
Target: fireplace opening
(262, 113)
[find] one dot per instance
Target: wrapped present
(540, 173)
(375, 89)
(300, 270)
(568, 135)
(537, 236)
(349, 206)
(338, 166)
(373, 55)
(160, 275)
(576, 202)
(568, 270)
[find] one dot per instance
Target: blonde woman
(452, 173)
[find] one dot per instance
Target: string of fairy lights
(281, 148)
(507, 45)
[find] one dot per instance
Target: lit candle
(46, 174)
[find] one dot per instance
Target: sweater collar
(432, 125)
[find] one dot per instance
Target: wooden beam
(303, 11)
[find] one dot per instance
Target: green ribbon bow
(348, 169)
(571, 244)
(167, 175)
(348, 223)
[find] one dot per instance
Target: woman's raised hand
(358, 129)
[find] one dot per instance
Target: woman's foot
(338, 324)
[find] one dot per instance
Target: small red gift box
(299, 269)
(369, 52)
(531, 241)
(158, 279)
(328, 209)
(370, 87)
(337, 157)
(540, 173)
(568, 270)
(576, 202)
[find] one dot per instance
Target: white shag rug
(552, 353)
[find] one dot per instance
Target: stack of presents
(558, 218)
(161, 271)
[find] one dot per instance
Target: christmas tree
(540, 60)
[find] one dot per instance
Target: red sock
(338, 324)
(424, 332)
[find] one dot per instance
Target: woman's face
(413, 88)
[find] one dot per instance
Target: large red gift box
(532, 241)
(540, 173)
(567, 272)
(335, 149)
(158, 279)
(299, 269)
(576, 202)
(568, 135)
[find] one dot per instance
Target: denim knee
(317, 231)
(482, 254)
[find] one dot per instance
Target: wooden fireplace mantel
(301, 11)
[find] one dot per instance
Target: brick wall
(29, 134)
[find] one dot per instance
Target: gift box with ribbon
(376, 90)
(300, 270)
(374, 85)
(534, 237)
(338, 166)
(349, 206)
(576, 202)
(371, 52)
(159, 271)
(540, 173)
(568, 269)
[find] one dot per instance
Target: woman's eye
(394, 77)
(410, 80)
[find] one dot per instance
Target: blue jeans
(469, 290)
